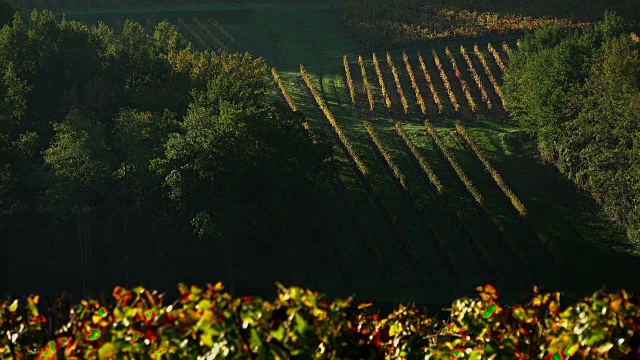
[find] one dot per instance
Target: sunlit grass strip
(635, 37)
(487, 70)
(454, 164)
(414, 84)
(436, 98)
(496, 57)
(383, 88)
(517, 204)
(506, 49)
(424, 165)
(483, 91)
(403, 99)
(352, 90)
(193, 34)
(365, 81)
(217, 42)
(341, 135)
(463, 84)
(445, 80)
(284, 91)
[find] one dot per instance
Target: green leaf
(475, 355)
(14, 306)
(301, 324)
(394, 329)
(278, 334)
(597, 335)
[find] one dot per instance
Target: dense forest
(142, 149)
(579, 92)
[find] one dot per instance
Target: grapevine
(463, 83)
(414, 84)
(483, 91)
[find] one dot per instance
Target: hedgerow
(303, 324)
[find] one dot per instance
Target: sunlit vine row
(403, 99)
(341, 135)
(284, 91)
(454, 164)
(424, 165)
(497, 58)
(383, 88)
(292, 105)
(365, 81)
(483, 91)
(217, 42)
(506, 49)
(487, 70)
(436, 98)
(445, 80)
(517, 204)
(463, 84)
(414, 84)
(352, 89)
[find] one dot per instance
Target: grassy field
(506, 252)
(286, 34)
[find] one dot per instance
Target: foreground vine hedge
(303, 324)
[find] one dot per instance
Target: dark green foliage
(108, 136)
(303, 324)
(580, 93)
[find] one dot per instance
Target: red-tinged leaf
(116, 293)
(247, 299)
(151, 334)
(364, 305)
(183, 288)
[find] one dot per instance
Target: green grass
(285, 34)
(570, 219)
(288, 34)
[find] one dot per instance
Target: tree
(81, 168)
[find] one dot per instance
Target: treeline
(580, 92)
(92, 4)
(107, 137)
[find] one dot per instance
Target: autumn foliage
(301, 323)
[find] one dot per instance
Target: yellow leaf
(107, 351)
